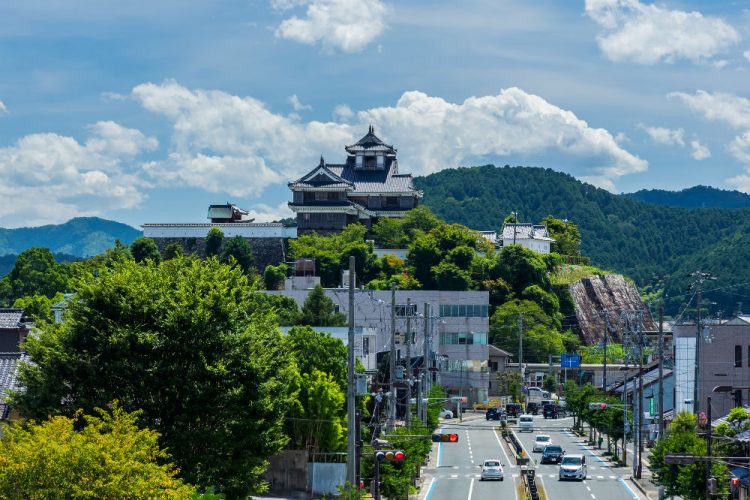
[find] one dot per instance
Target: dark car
(493, 414)
(532, 408)
(513, 409)
(550, 411)
(552, 454)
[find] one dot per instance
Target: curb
(637, 485)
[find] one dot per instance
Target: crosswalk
(476, 476)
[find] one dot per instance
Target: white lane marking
(454, 475)
(592, 496)
(613, 477)
(588, 488)
(471, 487)
(502, 448)
(429, 490)
(622, 482)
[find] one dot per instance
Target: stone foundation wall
(266, 251)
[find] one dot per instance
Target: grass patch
(568, 274)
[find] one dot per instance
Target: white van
(526, 423)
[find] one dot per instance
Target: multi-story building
(365, 187)
(723, 360)
(455, 324)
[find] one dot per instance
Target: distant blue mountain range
(694, 197)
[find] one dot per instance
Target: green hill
(694, 197)
(79, 237)
(656, 245)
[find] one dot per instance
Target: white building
(532, 236)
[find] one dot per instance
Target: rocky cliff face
(596, 294)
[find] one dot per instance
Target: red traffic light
(597, 406)
(445, 438)
(390, 455)
(735, 482)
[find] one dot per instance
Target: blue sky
(149, 111)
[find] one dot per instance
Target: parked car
(532, 408)
(493, 414)
(552, 454)
(526, 423)
(446, 413)
(492, 469)
(537, 393)
(550, 411)
(513, 409)
(573, 467)
(540, 441)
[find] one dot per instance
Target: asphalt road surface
(456, 476)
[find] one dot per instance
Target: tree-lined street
(456, 474)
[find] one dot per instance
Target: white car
(541, 441)
(445, 413)
(526, 423)
(573, 467)
(492, 469)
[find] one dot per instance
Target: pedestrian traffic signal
(597, 406)
(445, 438)
(712, 485)
(390, 455)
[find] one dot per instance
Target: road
(456, 476)
(603, 482)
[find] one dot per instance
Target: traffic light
(445, 438)
(597, 406)
(390, 455)
(735, 484)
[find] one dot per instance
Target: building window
(738, 356)
(306, 216)
(365, 346)
(738, 399)
(464, 311)
(402, 310)
(463, 338)
(391, 201)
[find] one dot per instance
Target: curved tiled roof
(370, 143)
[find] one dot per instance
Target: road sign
(570, 360)
(680, 459)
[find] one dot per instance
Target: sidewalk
(645, 485)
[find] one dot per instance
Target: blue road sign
(570, 360)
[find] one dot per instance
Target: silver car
(573, 467)
(492, 469)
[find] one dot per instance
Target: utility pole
(700, 277)
(639, 326)
(408, 371)
(392, 362)
(661, 371)
(520, 348)
(708, 445)
(426, 359)
(607, 329)
(351, 451)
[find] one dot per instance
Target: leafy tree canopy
(214, 239)
(182, 342)
(541, 336)
(144, 249)
(238, 250)
(566, 235)
(38, 307)
(36, 273)
(319, 310)
(85, 456)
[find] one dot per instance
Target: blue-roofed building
(361, 190)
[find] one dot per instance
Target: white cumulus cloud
(3, 108)
(345, 25)
(718, 106)
(297, 104)
(747, 55)
(666, 136)
(649, 33)
(225, 143)
(50, 178)
(699, 151)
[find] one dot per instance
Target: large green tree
(36, 273)
(566, 235)
(144, 249)
(686, 480)
(238, 250)
(104, 456)
(183, 342)
(541, 337)
(214, 239)
(319, 310)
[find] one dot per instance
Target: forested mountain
(694, 197)
(653, 244)
(79, 237)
